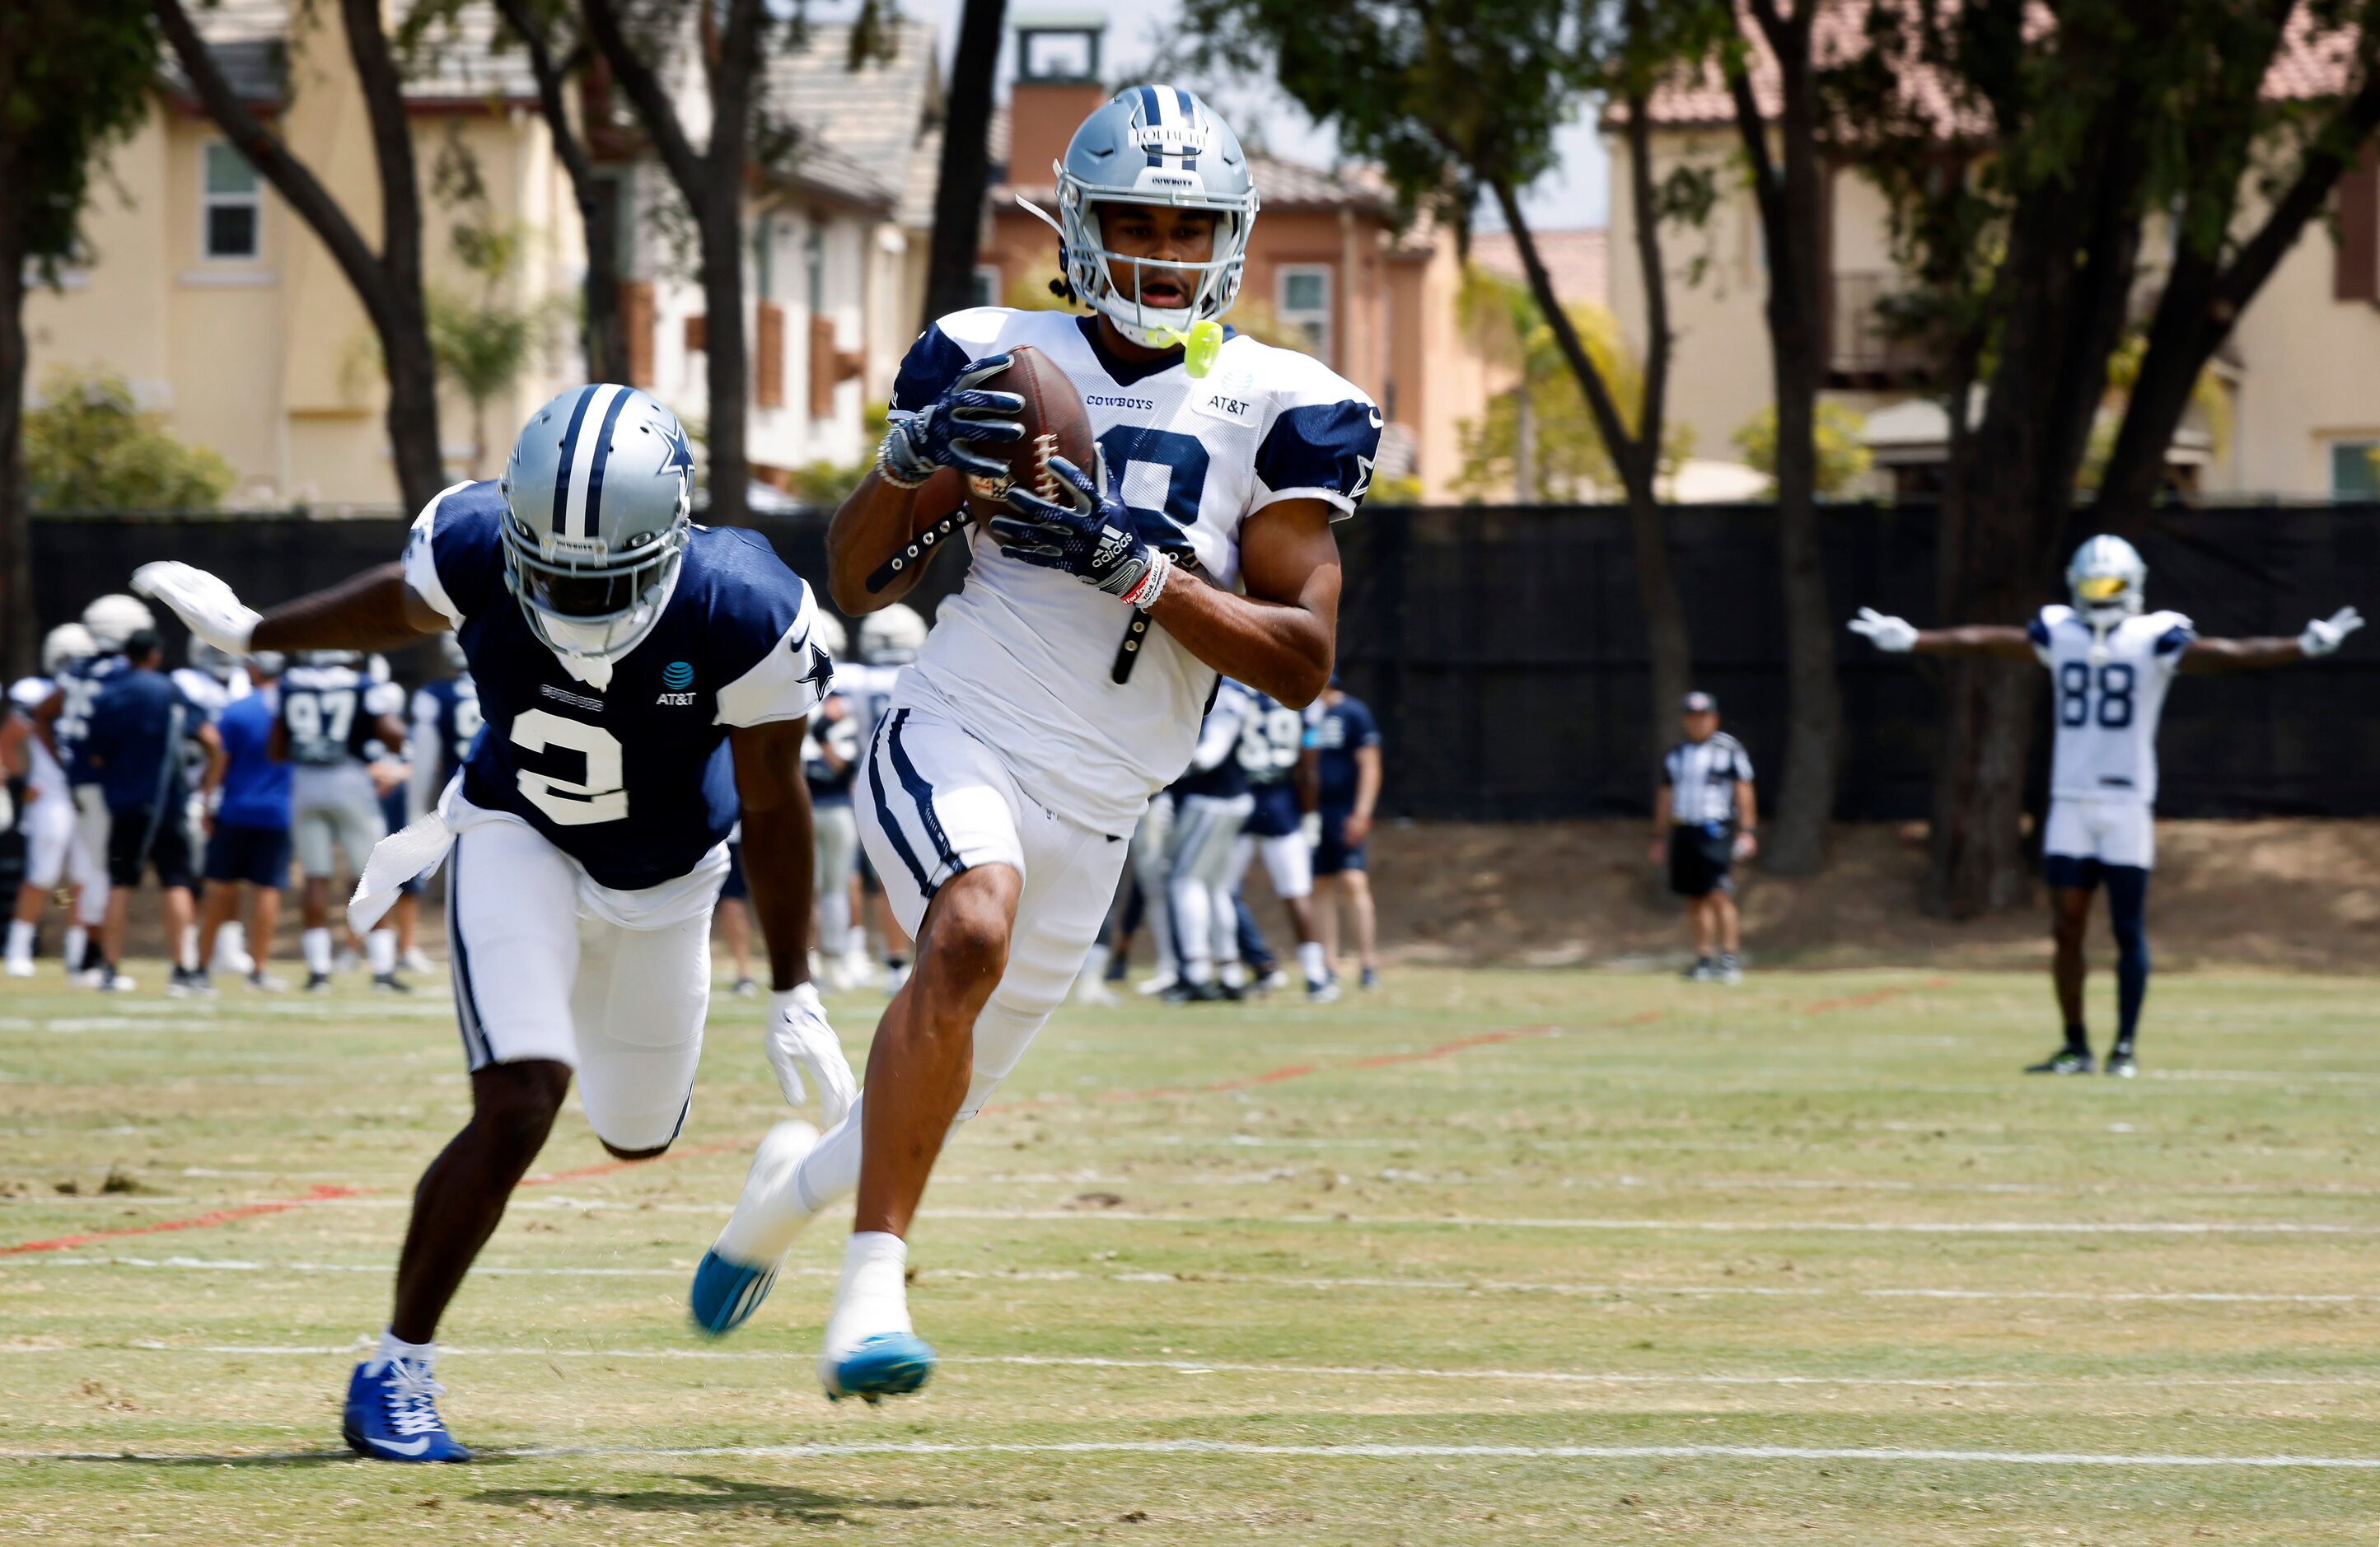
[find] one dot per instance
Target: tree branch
(652, 99)
(550, 75)
(384, 95)
(1647, 205)
(1599, 402)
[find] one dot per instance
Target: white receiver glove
(210, 607)
(1893, 635)
(2325, 634)
(799, 1039)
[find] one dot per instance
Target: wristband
(1151, 584)
(884, 468)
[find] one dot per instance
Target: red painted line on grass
(1874, 997)
(196, 1222)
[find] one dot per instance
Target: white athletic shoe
(858, 970)
(735, 1274)
(417, 961)
(1151, 988)
(20, 969)
(1089, 990)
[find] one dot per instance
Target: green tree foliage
(1839, 434)
(89, 446)
(76, 76)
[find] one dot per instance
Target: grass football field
(1487, 1256)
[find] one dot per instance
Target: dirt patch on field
(2284, 893)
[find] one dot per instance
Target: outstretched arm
(1900, 636)
(2321, 637)
(374, 610)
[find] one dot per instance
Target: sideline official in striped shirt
(1703, 818)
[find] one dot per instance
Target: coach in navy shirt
(1345, 741)
(134, 751)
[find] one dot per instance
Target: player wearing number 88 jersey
(641, 681)
(2110, 663)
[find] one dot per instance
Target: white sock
(90, 909)
(20, 940)
(392, 1347)
(187, 957)
(77, 940)
(381, 945)
(1095, 965)
(1234, 975)
(231, 944)
(854, 943)
(873, 1297)
(831, 1170)
(1309, 961)
(316, 946)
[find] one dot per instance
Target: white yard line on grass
(1349, 1371)
(1281, 1281)
(1314, 1452)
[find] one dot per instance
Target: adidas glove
(945, 432)
(1893, 635)
(1088, 533)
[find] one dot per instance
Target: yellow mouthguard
(2100, 587)
(1200, 346)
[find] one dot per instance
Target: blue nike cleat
(727, 1292)
(737, 1273)
(889, 1364)
(393, 1415)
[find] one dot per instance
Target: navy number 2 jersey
(621, 778)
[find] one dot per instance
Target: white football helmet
(65, 645)
(1153, 145)
(2107, 581)
(215, 662)
(115, 618)
(893, 636)
(826, 631)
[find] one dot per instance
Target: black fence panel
(1503, 649)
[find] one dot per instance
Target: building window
(983, 289)
(2355, 469)
(234, 203)
(1303, 306)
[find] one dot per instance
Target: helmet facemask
(1109, 282)
(583, 602)
(2106, 580)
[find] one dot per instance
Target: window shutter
(2355, 272)
(822, 377)
(695, 334)
(769, 363)
(637, 323)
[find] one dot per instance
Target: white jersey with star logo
(1021, 656)
(2106, 702)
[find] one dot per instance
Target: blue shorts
(733, 889)
(1333, 854)
(1275, 813)
(257, 855)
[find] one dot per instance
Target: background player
(830, 764)
(616, 647)
(62, 720)
(1346, 744)
(53, 848)
(1272, 740)
(331, 712)
(889, 640)
(2109, 666)
(995, 798)
(1704, 818)
(247, 835)
(1211, 804)
(134, 750)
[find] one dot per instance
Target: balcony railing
(1864, 349)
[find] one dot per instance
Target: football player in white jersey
(2110, 663)
(997, 797)
(54, 845)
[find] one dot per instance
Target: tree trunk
(1524, 444)
(20, 642)
(723, 351)
(1667, 648)
(966, 162)
(605, 340)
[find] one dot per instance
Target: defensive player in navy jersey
(1280, 779)
(2110, 663)
(61, 723)
(995, 798)
(615, 647)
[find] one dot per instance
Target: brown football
(1055, 425)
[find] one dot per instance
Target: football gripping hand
(1892, 636)
(945, 434)
(210, 608)
(799, 1039)
(2325, 634)
(1086, 532)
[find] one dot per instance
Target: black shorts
(1333, 855)
(735, 888)
(139, 839)
(1699, 860)
(258, 855)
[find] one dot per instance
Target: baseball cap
(1700, 704)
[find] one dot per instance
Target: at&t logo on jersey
(677, 680)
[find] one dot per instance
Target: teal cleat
(889, 1364)
(727, 1292)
